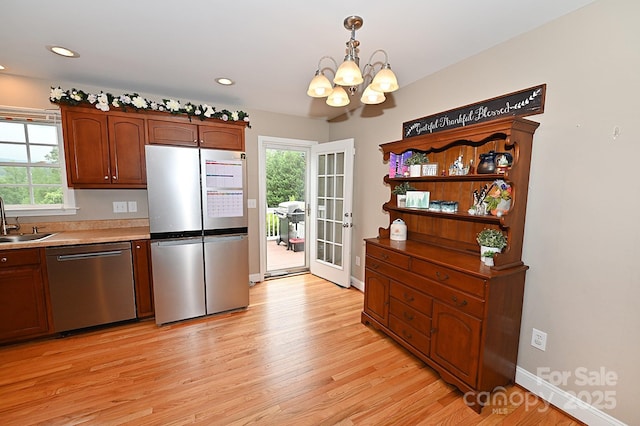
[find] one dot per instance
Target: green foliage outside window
(285, 176)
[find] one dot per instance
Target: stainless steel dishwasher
(90, 285)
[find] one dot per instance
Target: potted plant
(415, 163)
(491, 241)
(401, 192)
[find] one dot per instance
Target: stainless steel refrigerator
(198, 226)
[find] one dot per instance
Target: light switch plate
(251, 203)
(133, 206)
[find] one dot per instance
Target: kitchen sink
(23, 237)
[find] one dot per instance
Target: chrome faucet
(4, 230)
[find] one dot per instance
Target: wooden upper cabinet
(104, 150)
(214, 135)
(172, 133)
(126, 148)
(86, 146)
(221, 136)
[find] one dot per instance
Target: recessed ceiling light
(224, 81)
(63, 51)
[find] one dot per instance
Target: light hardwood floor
(298, 356)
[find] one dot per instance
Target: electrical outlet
(357, 260)
(539, 339)
(133, 206)
(119, 206)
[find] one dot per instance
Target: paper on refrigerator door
(225, 203)
(223, 180)
(223, 173)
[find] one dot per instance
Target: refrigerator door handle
(178, 242)
(223, 238)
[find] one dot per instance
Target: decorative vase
(488, 261)
(502, 208)
(484, 249)
(414, 170)
(402, 200)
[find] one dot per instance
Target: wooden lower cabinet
(143, 278)
(24, 299)
(461, 320)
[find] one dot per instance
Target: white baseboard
(255, 278)
(357, 284)
(564, 400)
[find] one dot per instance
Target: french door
(330, 210)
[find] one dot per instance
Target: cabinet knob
(408, 298)
(455, 300)
(106, 178)
(406, 334)
(115, 178)
(433, 330)
(385, 256)
(3, 260)
(137, 246)
(408, 316)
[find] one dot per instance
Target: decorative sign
(525, 102)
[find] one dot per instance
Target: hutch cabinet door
(455, 342)
(376, 296)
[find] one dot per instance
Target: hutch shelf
(431, 293)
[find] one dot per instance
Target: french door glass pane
(330, 208)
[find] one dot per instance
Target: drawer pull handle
(385, 256)
(408, 297)
(408, 316)
(406, 335)
(442, 277)
(375, 265)
(455, 300)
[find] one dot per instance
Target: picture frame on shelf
(430, 169)
(417, 199)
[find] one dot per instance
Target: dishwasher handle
(65, 257)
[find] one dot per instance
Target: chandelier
(348, 75)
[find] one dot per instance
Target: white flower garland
(104, 101)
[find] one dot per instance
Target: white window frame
(32, 115)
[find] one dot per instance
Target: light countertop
(86, 236)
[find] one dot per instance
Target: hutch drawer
(411, 297)
(449, 277)
(409, 334)
(410, 316)
(397, 259)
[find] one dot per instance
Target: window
(32, 172)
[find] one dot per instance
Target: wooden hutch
(431, 293)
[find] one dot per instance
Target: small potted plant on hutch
(415, 163)
(401, 192)
(491, 242)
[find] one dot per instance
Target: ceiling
(270, 48)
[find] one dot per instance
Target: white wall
(582, 237)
